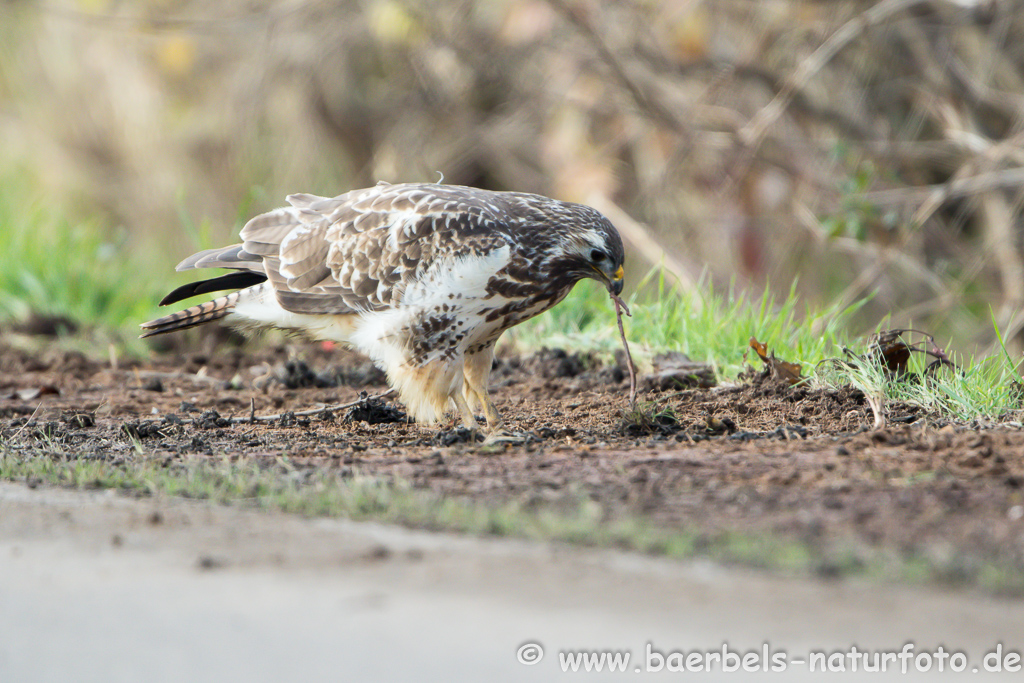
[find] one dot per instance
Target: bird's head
(593, 249)
(573, 241)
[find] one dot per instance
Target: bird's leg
(477, 369)
(468, 420)
(478, 392)
(494, 422)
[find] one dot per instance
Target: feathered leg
(477, 370)
(468, 420)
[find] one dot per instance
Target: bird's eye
(597, 256)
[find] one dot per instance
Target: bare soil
(760, 457)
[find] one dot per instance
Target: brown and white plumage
(421, 278)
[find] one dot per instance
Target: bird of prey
(422, 278)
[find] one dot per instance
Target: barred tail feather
(192, 316)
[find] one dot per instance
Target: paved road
(97, 587)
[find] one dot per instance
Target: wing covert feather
(360, 251)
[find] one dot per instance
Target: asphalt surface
(98, 587)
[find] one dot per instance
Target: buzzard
(422, 278)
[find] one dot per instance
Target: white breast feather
(466, 275)
(379, 333)
(425, 389)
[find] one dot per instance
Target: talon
(500, 436)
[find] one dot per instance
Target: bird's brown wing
(359, 251)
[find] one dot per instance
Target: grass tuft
(707, 326)
(975, 389)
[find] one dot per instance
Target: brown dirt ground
(798, 464)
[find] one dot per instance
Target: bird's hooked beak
(613, 281)
(615, 284)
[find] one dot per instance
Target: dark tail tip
(237, 280)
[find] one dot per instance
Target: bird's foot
(502, 436)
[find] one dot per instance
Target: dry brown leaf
(894, 352)
(780, 369)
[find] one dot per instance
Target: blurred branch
(994, 61)
(963, 183)
(643, 100)
(643, 240)
(936, 195)
(751, 135)
(836, 118)
(879, 257)
(1001, 240)
(153, 23)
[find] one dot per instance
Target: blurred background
(863, 149)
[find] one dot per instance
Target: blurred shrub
(870, 148)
